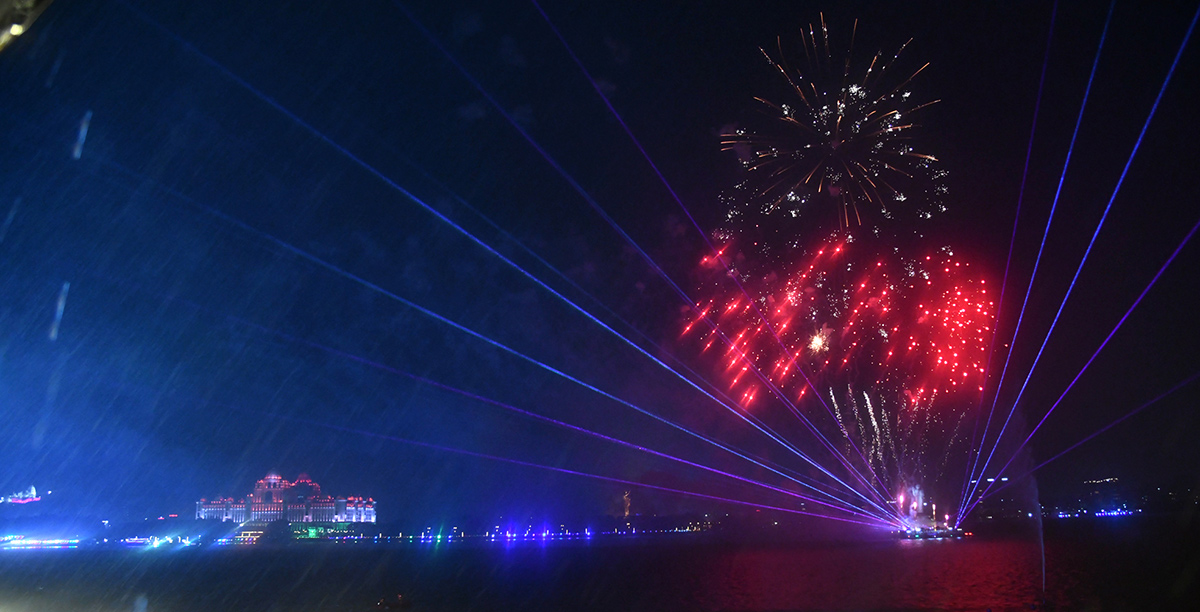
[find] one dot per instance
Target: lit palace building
(275, 499)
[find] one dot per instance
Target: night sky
(200, 345)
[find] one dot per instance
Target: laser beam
(1037, 106)
(350, 155)
(624, 235)
(1041, 249)
(296, 251)
(1112, 333)
(1185, 382)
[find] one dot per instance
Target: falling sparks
(905, 337)
(930, 318)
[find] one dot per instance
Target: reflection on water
(1085, 572)
(905, 574)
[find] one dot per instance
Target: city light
(20, 542)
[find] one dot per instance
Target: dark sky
(195, 354)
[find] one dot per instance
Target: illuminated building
(276, 499)
(22, 497)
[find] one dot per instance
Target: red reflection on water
(906, 574)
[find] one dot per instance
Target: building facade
(276, 499)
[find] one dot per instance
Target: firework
(863, 315)
(888, 339)
(839, 132)
(844, 307)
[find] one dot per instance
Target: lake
(1119, 564)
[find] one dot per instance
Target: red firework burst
(907, 327)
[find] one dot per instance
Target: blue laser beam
(1112, 333)
(1185, 382)
(1120, 181)
(1041, 249)
(844, 507)
(660, 349)
(545, 419)
(375, 172)
(296, 251)
(1007, 266)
